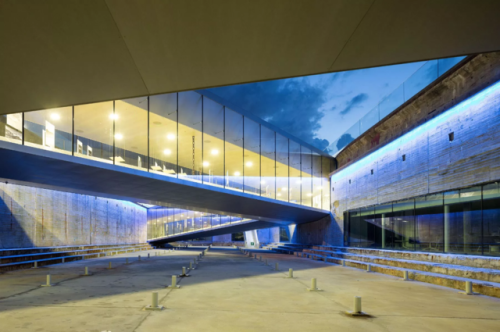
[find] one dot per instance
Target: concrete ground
(230, 292)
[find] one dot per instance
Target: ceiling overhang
(59, 53)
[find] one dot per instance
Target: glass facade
(163, 221)
(464, 221)
(185, 135)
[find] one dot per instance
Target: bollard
(154, 303)
(191, 266)
(62, 260)
(126, 260)
(468, 289)
(276, 266)
(48, 284)
(357, 308)
(109, 266)
(86, 272)
(290, 273)
(174, 283)
(261, 258)
(35, 265)
(148, 255)
(184, 274)
(266, 262)
(405, 276)
(368, 268)
(343, 262)
(139, 258)
(314, 287)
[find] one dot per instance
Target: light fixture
(236, 173)
(262, 182)
(55, 116)
(249, 164)
(214, 152)
(206, 164)
(284, 188)
(278, 194)
(298, 182)
(113, 116)
(170, 137)
(167, 152)
(309, 194)
(118, 136)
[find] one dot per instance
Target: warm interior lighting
(118, 136)
(214, 152)
(55, 116)
(309, 194)
(206, 164)
(284, 188)
(170, 137)
(167, 152)
(236, 173)
(113, 116)
(249, 164)
(278, 194)
(262, 182)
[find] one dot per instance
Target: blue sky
(319, 108)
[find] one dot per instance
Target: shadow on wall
(12, 232)
(326, 231)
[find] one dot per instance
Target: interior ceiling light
(118, 136)
(167, 152)
(55, 116)
(262, 182)
(249, 164)
(171, 137)
(309, 194)
(236, 173)
(206, 164)
(214, 152)
(284, 188)
(113, 116)
(278, 194)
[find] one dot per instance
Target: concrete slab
(229, 292)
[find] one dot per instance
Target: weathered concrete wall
(432, 163)
(34, 217)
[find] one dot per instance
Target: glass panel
(316, 181)
(281, 167)
(213, 143)
(190, 137)
(294, 172)
(163, 134)
(429, 223)
(49, 129)
(234, 150)
(325, 170)
(402, 222)
(11, 127)
(391, 102)
(369, 120)
(306, 174)
(491, 219)
(462, 221)
(94, 131)
(131, 127)
(215, 220)
(251, 143)
(424, 76)
(207, 220)
(382, 227)
(446, 64)
(268, 163)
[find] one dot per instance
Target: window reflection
(251, 157)
(306, 174)
(49, 129)
(213, 143)
(190, 136)
(268, 163)
(234, 150)
(11, 128)
(281, 167)
(163, 134)
(94, 131)
(294, 172)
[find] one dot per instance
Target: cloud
(354, 102)
(293, 105)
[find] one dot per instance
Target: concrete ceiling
(58, 53)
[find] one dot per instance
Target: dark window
(404, 157)
(372, 171)
(451, 136)
(237, 237)
(284, 234)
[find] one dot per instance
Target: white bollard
(314, 287)
(191, 266)
(266, 262)
(47, 284)
(261, 258)
(35, 265)
(276, 267)
(62, 260)
(368, 268)
(405, 276)
(343, 262)
(290, 273)
(148, 255)
(468, 289)
(154, 303)
(174, 283)
(109, 266)
(139, 258)
(357, 305)
(126, 260)
(87, 272)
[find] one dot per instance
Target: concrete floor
(231, 292)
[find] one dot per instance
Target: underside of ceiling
(59, 53)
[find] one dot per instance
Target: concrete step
(483, 274)
(34, 250)
(453, 259)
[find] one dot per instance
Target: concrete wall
(268, 235)
(372, 170)
(222, 238)
(33, 217)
